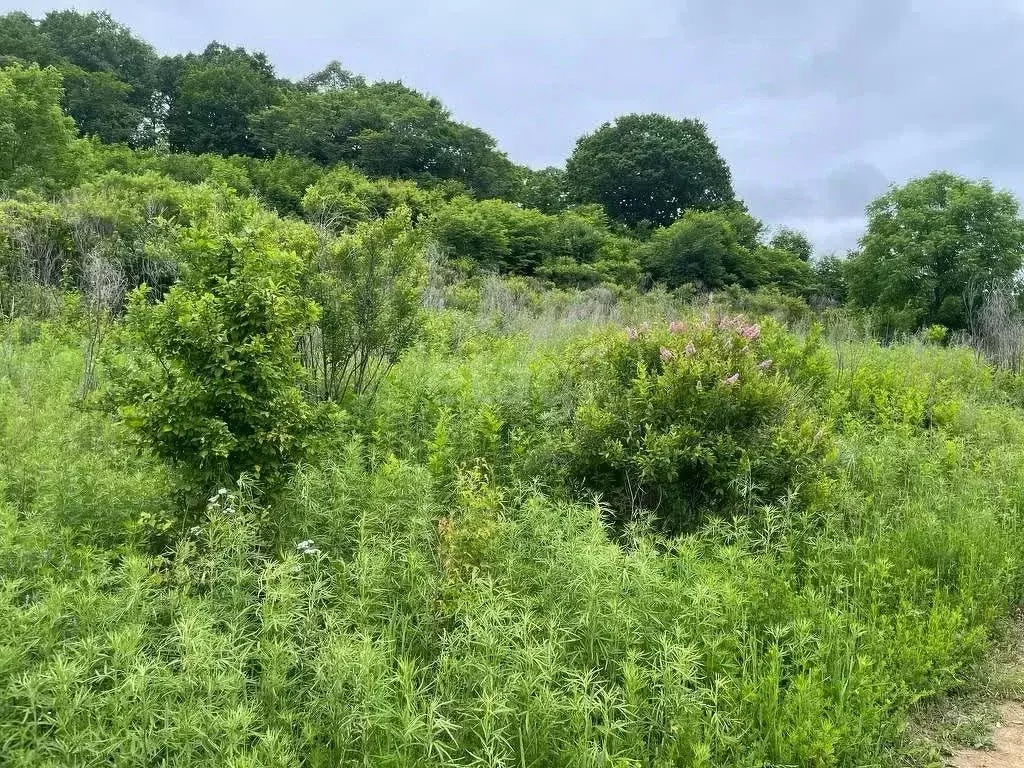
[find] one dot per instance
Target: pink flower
(764, 365)
(730, 380)
(676, 326)
(631, 334)
(690, 349)
(752, 332)
(667, 354)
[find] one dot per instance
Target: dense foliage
(36, 138)
(931, 241)
(214, 382)
(649, 168)
(672, 418)
(329, 436)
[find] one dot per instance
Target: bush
(344, 197)
(368, 284)
(213, 386)
(700, 418)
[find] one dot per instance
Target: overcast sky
(817, 105)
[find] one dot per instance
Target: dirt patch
(1007, 743)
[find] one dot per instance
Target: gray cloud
(816, 106)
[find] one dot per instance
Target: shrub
(214, 383)
(699, 418)
(343, 197)
(369, 284)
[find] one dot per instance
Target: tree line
(644, 198)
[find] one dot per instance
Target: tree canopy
(928, 242)
(649, 168)
(383, 129)
(215, 95)
(110, 75)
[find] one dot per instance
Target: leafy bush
(343, 197)
(214, 383)
(700, 418)
(368, 284)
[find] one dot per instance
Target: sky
(817, 105)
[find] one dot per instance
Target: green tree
(830, 279)
(796, 243)
(649, 168)
(384, 129)
(37, 141)
(495, 234)
(343, 197)
(543, 189)
(22, 42)
(929, 241)
(700, 248)
(215, 386)
(96, 43)
(212, 98)
(109, 74)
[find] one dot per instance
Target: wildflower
(645, 328)
(667, 354)
(631, 334)
(690, 349)
(307, 548)
(676, 326)
(752, 332)
(764, 365)
(730, 380)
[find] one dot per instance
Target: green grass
(466, 608)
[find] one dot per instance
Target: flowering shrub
(696, 418)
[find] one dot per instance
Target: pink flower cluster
(739, 324)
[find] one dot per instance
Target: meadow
(438, 592)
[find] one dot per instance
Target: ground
(1007, 750)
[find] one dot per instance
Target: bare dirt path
(1007, 743)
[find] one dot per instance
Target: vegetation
(649, 169)
(928, 241)
(329, 436)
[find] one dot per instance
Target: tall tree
(97, 43)
(109, 74)
(927, 242)
(212, 97)
(543, 189)
(649, 168)
(22, 41)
